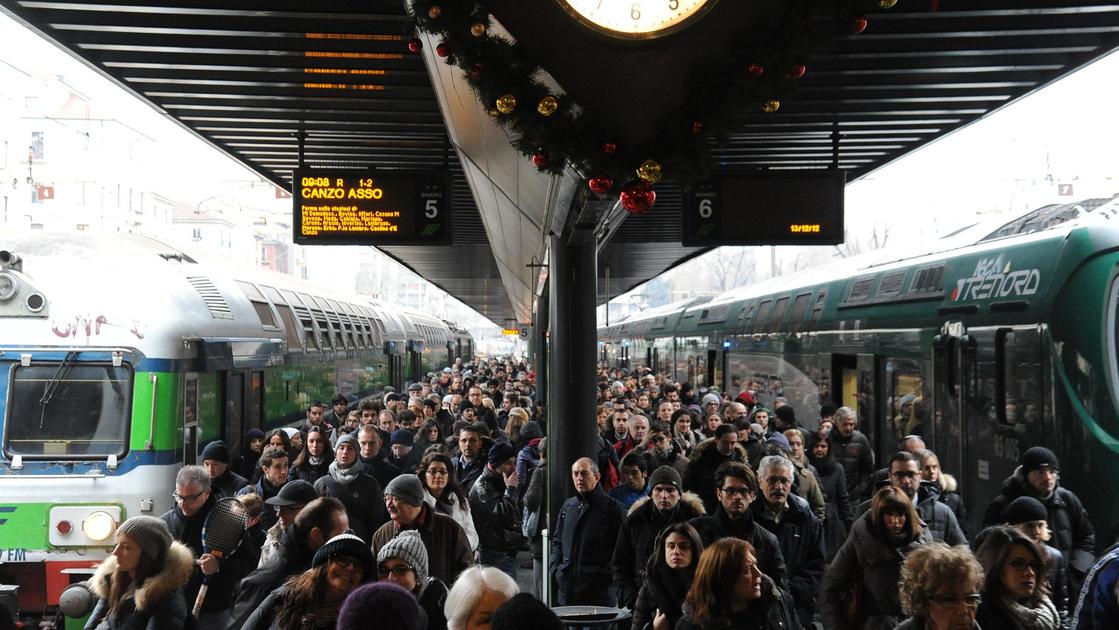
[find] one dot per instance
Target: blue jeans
(506, 562)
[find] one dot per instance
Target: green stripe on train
(25, 526)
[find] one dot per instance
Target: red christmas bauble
(600, 185)
(638, 197)
(797, 72)
(443, 49)
(609, 148)
(476, 71)
(858, 25)
(540, 159)
(697, 127)
(415, 44)
(756, 70)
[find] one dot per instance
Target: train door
(853, 379)
(651, 358)
(450, 355)
(715, 369)
(190, 418)
(623, 360)
(414, 361)
(233, 408)
(956, 393)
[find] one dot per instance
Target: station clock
(637, 19)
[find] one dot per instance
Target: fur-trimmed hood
(948, 483)
(175, 574)
(690, 499)
(709, 443)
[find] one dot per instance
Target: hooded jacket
(1073, 533)
(700, 476)
(157, 604)
(638, 533)
(586, 531)
(802, 547)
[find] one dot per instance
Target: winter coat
(535, 493)
(231, 568)
(856, 456)
(767, 547)
(938, 517)
(643, 523)
(528, 458)
(460, 514)
(364, 501)
(268, 515)
(772, 611)
(497, 514)
(802, 547)
(582, 546)
(875, 565)
(1072, 531)
(309, 472)
(833, 482)
(294, 557)
(432, 600)
(468, 473)
(1097, 607)
(950, 496)
(1057, 576)
(448, 550)
(627, 496)
(661, 591)
(228, 484)
(379, 469)
(157, 604)
(674, 457)
(808, 488)
(700, 476)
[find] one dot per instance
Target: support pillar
(572, 379)
(538, 347)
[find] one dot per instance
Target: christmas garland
(554, 131)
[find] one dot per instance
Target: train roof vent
(860, 290)
(891, 283)
(210, 295)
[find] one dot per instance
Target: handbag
(851, 601)
(530, 523)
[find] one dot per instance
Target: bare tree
(728, 267)
(853, 245)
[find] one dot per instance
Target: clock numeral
(673, 5)
(635, 12)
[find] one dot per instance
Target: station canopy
(249, 77)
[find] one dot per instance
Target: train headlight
(99, 526)
(9, 286)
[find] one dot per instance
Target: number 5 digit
(431, 208)
(673, 4)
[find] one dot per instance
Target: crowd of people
(693, 511)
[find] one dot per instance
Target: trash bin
(9, 600)
(598, 617)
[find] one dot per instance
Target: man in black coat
(707, 457)
(790, 519)
(319, 521)
(371, 455)
(223, 481)
(471, 460)
(193, 502)
(349, 483)
(646, 519)
(496, 507)
(586, 531)
(274, 466)
(1073, 534)
(736, 488)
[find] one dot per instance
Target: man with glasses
(708, 456)
(448, 550)
(291, 499)
(905, 473)
(736, 488)
(790, 519)
(193, 502)
(1037, 476)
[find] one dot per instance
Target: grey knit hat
(666, 475)
(149, 532)
(408, 489)
(409, 547)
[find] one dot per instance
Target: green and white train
(987, 342)
(121, 356)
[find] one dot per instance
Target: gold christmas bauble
(650, 171)
(771, 105)
(547, 106)
(506, 103)
(434, 12)
(887, 4)
(477, 29)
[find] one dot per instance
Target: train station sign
(346, 207)
(765, 208)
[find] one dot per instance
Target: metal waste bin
(598, 617)
(9, 600)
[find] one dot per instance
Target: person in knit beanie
(403, 560)
(1028, 515)
(390, 605)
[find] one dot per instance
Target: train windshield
(68, 410)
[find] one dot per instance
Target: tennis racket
(221, 533)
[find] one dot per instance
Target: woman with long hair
(668, 576)
(833, 483)
(428, 435)
(141, 584)
(1015, 596)
(314, 460)
(682, 431)
(730, 591)
(443, 493)
(312, 600)
(861, 585)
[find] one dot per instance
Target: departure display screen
(762, 208)
(334, 207)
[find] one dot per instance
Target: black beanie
(525, 612)
(216, 450)
(1024, 510)
(666, 474)
(1038, 457)
(500, 453)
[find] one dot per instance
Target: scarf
(1040, 616)
(344, 475)
(314, 461)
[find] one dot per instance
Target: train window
(273, 295)
(860, 290)
(907, 411)
(1017, 377)
(779, 309)
(264, 313)
(291, 329)
(747, 316)
(69, 410)
(800, 307)
(818, 307)
(763, 315)
(891, 284)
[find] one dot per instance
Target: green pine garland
(727, 93)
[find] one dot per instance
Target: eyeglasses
(1021, 565)
(903, 474)
(437, 472)
(186, 498)
(971, 600)
(399, 570)
(736, 492)
(345, 562)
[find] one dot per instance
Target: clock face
(637, 19)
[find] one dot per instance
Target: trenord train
(121, 356)
(986, 342)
